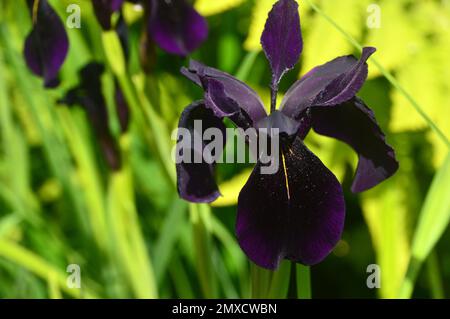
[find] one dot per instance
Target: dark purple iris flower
(297, 213)
(47, 44)
(88, 94)
(173, 24)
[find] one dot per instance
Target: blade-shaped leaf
(433, 221)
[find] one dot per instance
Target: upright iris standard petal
(244, 96)
(176, 27)
(104, 9)
(282, 38)
(195, 181)
(47, 44)
(330, 84)
(355, 124)
(297, 213)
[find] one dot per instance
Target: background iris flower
(174, 25)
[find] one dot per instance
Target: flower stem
(303, 282)
(273, 98)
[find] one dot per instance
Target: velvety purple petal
(297, 213)
(104, 9)
(355, 124)
(245, 97)
(176, 27)
(282, 38)
(47, 44)
(195, 181)
(330, 84)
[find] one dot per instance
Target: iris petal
(104, 9)
(355, 124)
(176, 27)
(47, 44)
(195, 181)
(330, 84)
(297, 213)
(282, 38)
(244, 96)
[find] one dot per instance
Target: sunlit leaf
(426, 76)
(385, 213)
(397, 38)
(230, 189)
(433, 221)
(323, 42)
(208, 7)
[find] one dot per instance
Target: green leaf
(323, 42)
(230, 189)
(430, 69)
(397, 39)
(385, 213)
(208, 7)
(433, 221)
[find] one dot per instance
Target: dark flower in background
(47, 44)
(174, 25)
(297, 213)
(104, 9)
(88, 94)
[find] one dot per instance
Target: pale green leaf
(385, 214)
(433, 221)
(323, 42)
(208, 7)
(231, 188)
(397, 39)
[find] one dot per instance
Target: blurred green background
(130, 233)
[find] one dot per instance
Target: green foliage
(128, 230)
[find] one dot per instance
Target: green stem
(303, 276)
(434, 276)
(200, 215)
(260, 279)
(386, 74)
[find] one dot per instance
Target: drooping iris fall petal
(195, 181)
(355, 124)
(47, 44)
(297, 213)
(282, 38)
(330, 84)
(176, 27)
(244, 96)
(104, 9)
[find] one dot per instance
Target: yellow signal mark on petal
(286, 178)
